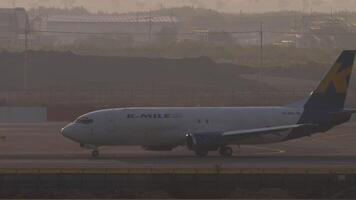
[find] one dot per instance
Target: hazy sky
(222, 5)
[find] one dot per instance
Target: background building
(13, 23)
(127, 29)
(332, 32)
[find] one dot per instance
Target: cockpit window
(84, 120)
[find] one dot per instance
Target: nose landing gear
(95, 152)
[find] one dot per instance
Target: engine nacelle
(207, 141)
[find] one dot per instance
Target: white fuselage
(168, 126)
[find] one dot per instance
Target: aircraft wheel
(226, 151)
(201, 152)
(95, 153)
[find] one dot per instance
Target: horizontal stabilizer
(352, 111)
(345, 111)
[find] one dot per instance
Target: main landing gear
(95, 153)
(201, 152)
(224, 151)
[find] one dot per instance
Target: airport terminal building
(129, 29)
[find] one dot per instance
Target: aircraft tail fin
(332, 90)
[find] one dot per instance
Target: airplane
(204, 129)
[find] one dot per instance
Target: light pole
(25, 63)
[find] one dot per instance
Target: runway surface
(41, 145)
(183, 162)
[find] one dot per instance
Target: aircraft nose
(70, 132)
(76, 132)
(64, 131)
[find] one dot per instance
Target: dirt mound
(65, 69)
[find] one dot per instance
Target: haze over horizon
(231, 6)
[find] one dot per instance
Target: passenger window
(84, 120)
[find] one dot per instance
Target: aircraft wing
(242, 134)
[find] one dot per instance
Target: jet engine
(204, 141)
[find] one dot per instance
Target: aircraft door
(111, 123)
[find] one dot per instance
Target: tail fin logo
(338, 76)
(332, 90)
